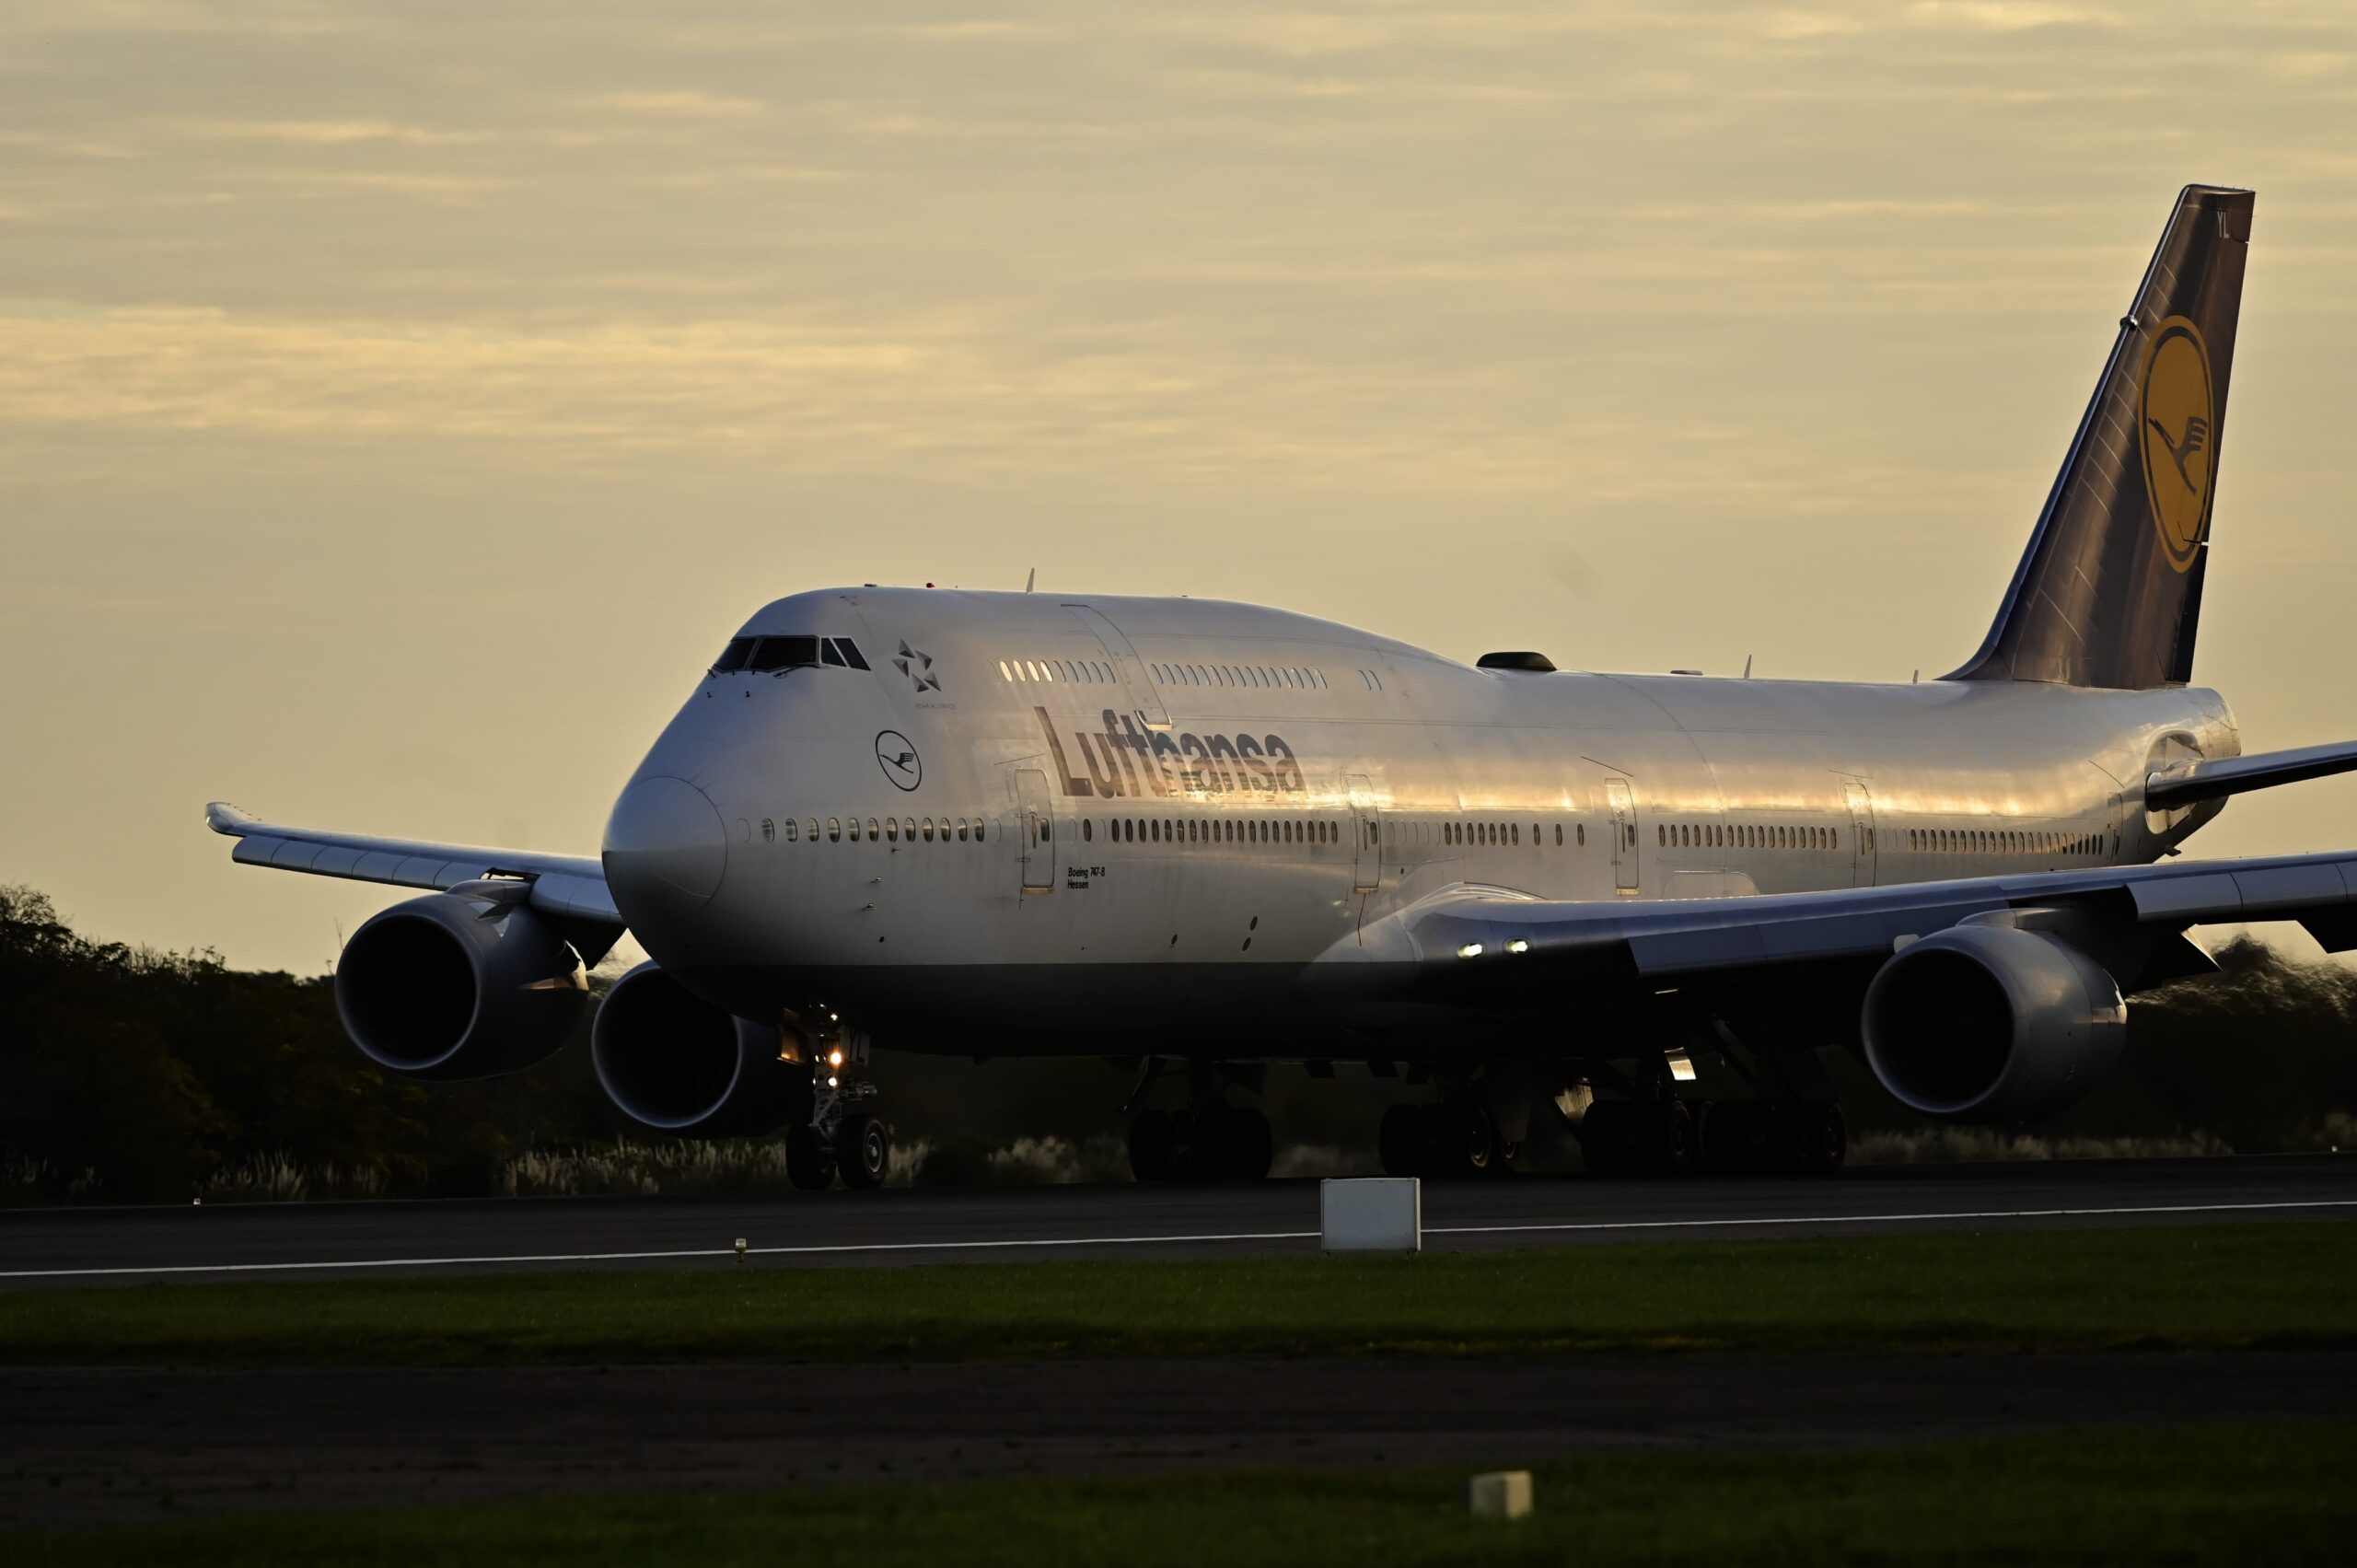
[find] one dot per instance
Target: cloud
(325, 133)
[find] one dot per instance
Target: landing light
(1517, 945)
(1471, 950)
(835, 1057)
(830, 1081)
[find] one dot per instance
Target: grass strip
(2274, 1285)
(2273, 1493)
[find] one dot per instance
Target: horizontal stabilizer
(2192, 781)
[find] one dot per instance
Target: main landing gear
(1451, 1139)
(1623, 1137)
(1209, 1141)
(840, 1133)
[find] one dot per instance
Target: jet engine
(676, 1063)
(1991, 1023)
(452, 987)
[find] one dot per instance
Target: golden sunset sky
(401, 403)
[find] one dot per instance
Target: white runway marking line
(1175, 1240)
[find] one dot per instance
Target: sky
(401, 402)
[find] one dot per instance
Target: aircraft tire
(1671, 1145)
(863, 1151)
(809, 1163)
(1399, 1141)
(1823, 1144)
(1460, 1141)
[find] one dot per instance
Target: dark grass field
(2271, 1492)
(2280, 1285)
(2178, 1394)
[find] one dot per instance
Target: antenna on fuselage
(1033, 576)
(1747, 667)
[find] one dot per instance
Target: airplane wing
(1493, 948)
(2190, 782)
(568, 888)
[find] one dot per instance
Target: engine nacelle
(676, 1063)
(434, 988)
(1991, 1023)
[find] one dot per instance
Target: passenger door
(1037, 831)
(1620, 810)
(1366, 854)
(1145, 701)
(1861, 835)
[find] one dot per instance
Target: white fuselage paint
(1386, 774)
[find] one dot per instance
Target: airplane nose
(666, 849)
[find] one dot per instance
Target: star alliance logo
(917, 665)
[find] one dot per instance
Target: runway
(85, 1446)
(932, 1225)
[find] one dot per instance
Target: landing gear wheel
(1467, 1141)
(1154, 1147)
(1401, 1140)
(809, 1163)
(1673, 1139)
(1823, 1141)
(864, 1150)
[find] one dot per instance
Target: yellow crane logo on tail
(2179, 421)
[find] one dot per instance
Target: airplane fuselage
(1107, 825)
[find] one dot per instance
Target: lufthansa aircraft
(1199, 837)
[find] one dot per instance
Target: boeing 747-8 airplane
(1199, 837)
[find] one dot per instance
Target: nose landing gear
(842, 1134)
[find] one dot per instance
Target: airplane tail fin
(2109, 590)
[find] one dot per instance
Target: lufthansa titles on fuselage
(1124, 758)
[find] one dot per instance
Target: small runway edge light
(741, 1250)
(1469, 950)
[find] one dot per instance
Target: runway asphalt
(88, 1247)
(112, 1446)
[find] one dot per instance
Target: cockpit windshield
(783, 653)
(775, 655)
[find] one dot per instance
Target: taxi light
(1469, 950)
(1517, 945)
(835, 1057)
(830, 1081)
